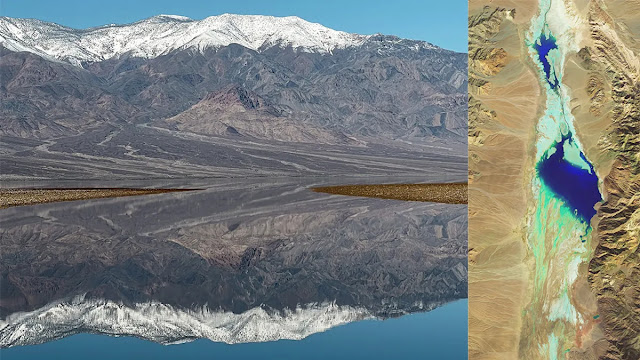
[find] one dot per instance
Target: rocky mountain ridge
(374, 90)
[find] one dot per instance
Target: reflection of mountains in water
(165, 324)
(237, 262)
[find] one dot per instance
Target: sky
(441, 22)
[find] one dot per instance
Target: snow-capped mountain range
(324, 87)
(162, 34)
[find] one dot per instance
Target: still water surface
(250, 268)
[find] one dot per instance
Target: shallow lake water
(564, 188)
(577, 186)
(236, 269)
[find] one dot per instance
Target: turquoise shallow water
(566, 190)
(439, 334)
(567, 173)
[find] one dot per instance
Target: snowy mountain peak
(162, 34)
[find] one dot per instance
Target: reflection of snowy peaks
(161, 34)
(166, 324)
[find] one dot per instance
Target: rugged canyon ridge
(229, 95)
(554, 179)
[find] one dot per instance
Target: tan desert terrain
(503, 102)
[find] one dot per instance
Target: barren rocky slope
(615, 268)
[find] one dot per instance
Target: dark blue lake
(543, 47)
(576, 186)
(438, 334)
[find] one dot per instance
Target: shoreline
(25, 197)
(454, 193)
